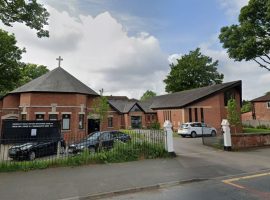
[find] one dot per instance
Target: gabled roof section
(184, 98)
(264, 98)
(146, 106)
(124, 106)
(57, 80)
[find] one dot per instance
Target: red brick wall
(11, 101)
(246, 116)
(261, 111)
(213, 108)
(41, 102)
(241, 141)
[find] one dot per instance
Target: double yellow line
(230, 181)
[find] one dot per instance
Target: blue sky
(179, 25)
(126, 46)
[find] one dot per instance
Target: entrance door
(93, 125)
(136, 121)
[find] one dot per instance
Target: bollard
(169, 137)
(226, 135)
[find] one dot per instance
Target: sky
(126, 46)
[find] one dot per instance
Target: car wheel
(193, 134)
(213, 133)
(32, 155)
(92, 150)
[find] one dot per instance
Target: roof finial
(59, 61)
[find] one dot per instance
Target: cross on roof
(59, 61)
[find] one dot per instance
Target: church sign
(26, 131)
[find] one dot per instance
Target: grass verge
(255, 130)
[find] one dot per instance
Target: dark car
(32, 150)
(93, 142)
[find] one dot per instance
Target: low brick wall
(241, 141)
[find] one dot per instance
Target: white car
(194, 129)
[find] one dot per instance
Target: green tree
(246, 106)
(30, 71)
(193, 70)
(249, 40)
(147, 95)
(31, 13)
(100, 108)
(10, 56)
(233, 114)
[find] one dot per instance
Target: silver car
(194, 129)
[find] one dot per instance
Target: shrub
(155, 125)
(262, 126)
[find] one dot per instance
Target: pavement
(194, 162)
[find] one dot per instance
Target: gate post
(169, 137)
(226, 135)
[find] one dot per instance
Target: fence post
(58, 149)
(169, 137)
(227, 135)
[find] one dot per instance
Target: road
(248, 187)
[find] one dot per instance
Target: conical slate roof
(57, 80)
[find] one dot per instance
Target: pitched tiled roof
(146, 106)
(262, 98)
(57, 80)
(124, 106)
(184, 98)
(119, 105)
(117, 97)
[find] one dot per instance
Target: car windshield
(184, 125)
(94, 136)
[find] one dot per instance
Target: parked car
(93, 142)
(194, 129)
(32, 150)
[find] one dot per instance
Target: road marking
(230, 181)
(233, 184)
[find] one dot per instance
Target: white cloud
(174, 57)
(233, 7)
(99, 52)
(255, 80)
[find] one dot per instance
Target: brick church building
(57, 95)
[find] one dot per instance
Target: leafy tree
(147, 95)
(233, 114)
(100, 108)
(250, 39)
(31, 13)
(193, 70)
(246, 106)
(30, 71)
(10, 56)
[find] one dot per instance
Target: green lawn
(255, 130)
